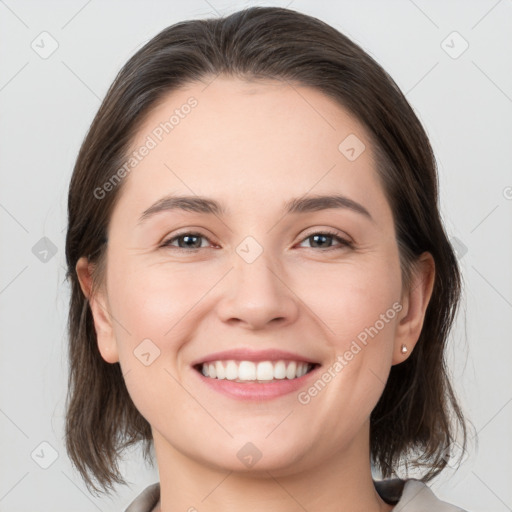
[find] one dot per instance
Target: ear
(98, 302)
(414, 305)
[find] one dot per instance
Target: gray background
(46, 106)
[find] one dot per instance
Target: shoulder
(408, 495)
(146, 500)
(412, 496)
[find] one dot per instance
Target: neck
(343, 482)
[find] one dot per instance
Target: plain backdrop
(451, 59)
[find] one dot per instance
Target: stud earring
(403, 349)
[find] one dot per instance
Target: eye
(319, 240)
(191, 241)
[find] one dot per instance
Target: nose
(257, 295)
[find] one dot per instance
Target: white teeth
(246, 370)
(220, 370)
(265, 371)
(280, 370)
(231, 370)
(250, 371)
(291, 371)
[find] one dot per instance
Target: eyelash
(342, 241)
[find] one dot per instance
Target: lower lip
(254, 390)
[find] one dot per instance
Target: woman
(262, 288)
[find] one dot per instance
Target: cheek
(158, 309)
(153, 308)
(358, 306)
(353, 300)
(359, 310)
(157, 302)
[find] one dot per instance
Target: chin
(258, 454)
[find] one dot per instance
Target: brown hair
(417, 413)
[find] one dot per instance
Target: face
(259, 284)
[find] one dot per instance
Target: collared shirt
(407, 495)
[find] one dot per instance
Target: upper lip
(245, 354)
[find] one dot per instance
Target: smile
(247, 374)
(251, 371)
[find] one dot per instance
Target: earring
(403, 349)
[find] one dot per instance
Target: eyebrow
(199, 204)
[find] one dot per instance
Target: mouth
(245, 371)
(247, 374)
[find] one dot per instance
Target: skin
(253, 146)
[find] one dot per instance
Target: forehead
(255, 140)
(262, 108)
